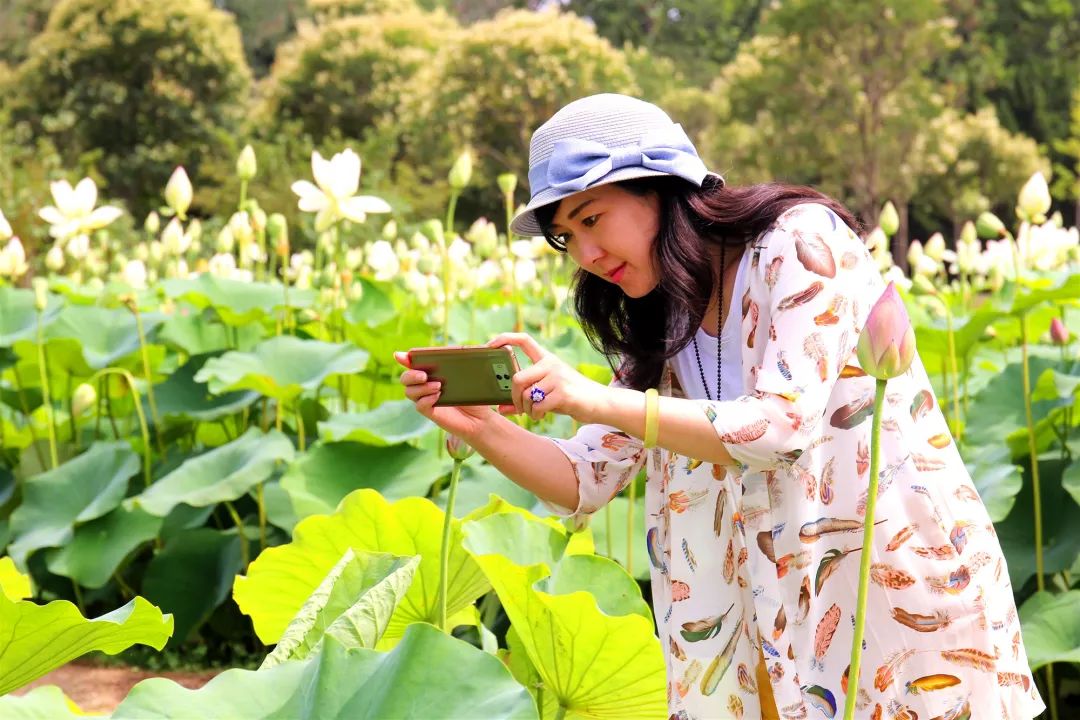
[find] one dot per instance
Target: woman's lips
(619, 272)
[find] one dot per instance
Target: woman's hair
(644, 332)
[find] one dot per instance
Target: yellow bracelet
(652, 417)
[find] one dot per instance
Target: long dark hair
(644, 332)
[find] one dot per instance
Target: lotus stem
(867, 553)
(1040, 581)
(147, 480)
(519, 326)
(149, 375)
(300, 426)
(45, 399)
(244, 559)
(262, 517)
(560, 713)
(444, 552)
(26, 412)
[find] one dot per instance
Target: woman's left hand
(566, 391)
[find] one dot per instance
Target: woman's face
(610, 232)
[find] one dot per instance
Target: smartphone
(470, 374)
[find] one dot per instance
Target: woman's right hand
(463, 421)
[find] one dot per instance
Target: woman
(756, 489)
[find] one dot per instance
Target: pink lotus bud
(458, 448)
(1058, 332)
(887, 342)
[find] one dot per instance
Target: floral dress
(762, 558)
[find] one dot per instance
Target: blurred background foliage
(942, 106)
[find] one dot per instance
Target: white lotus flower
(333, 196)
(382, 260)
(13, 260)
(5, 227)
(174, 239)
(78, 247)
(1034, 200)
(74, 217)
(178, 192)
(524, 272)
(54, 259)
(459, 252)
(135, 274)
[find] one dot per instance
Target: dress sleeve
(821, 282)
(605, 460)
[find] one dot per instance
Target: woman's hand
(463, 421)
(566, 391)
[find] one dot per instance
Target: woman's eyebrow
(573, 213)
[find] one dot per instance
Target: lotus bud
(968, 233)
(1034, 200)
(277, 229)
(84, 398)
(152, 223)
(484, 237)
(458, 449)
(988, 226)
(921, 285)
(245, 164)
(1058, 332)
(889, 220)
(428, 264)
(258, 219)
(5, 227)
(135, 274)
(174, 240)
(178, 192)
(1056, 220)
(354, 258)
(419, 243)
(887, 342)
(194, 231)
(433, 231)
(507, 183)
(157, 251)
(914, 253)
(935, 247)
(240, 224)
(41, 293)
(461, 172)
(389, 230)
(225, 240)
(326, 242)
(54, 259)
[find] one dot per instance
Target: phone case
(470, 374)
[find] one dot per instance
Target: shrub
(137, 86)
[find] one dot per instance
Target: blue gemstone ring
(536, 394)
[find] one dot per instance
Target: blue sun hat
(602, 139)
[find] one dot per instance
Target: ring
(536, 394)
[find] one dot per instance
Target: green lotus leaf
(224, 473)
(282, 578)
(281, 367)
(14, 584)
(46, 702)
(1070, 480)
(105, 334)
(100, 546)
(38, 638)
(428, 675)
(1046, 288)
(595, 662)
(996, 477)
(478, 482)
(80, 490)
(620, 507)
(318, 479)
(181, 396)
(993, 414)
(19, 316)
(1051, 627)
(202, 558)
(64, 357)
(374, 306)
(389, 424)
(353, 603)
(198, 333)
(237, 302)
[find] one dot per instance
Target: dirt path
(100, 689)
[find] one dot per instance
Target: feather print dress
(762, 559)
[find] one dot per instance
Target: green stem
(444, 553)
(957, 427)
(138, 411)
(560, 713)
(262, 517)
(300, 427)
(519, 326)
(26, 413)
(149, 377)
(46, 401)
(867, 554)
(1040, 581)
(240, 530)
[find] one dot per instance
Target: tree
(20, 20)
(834, 94)
(134, 88)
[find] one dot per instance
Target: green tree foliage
(324, 11)
(972, 164)
(1069, 177)
(834, 94)
(350, 73)
(139, 86)
(490, 91)
(700, 35)
(20, 20)
(265, 24)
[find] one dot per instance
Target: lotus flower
(1034, 199)
(178, 192)
(887, 342)
(13, 259)
(74, 217)
(5, 227)
(458, 448)
(335, 196)
(1058, 332)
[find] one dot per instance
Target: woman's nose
(590, 254)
